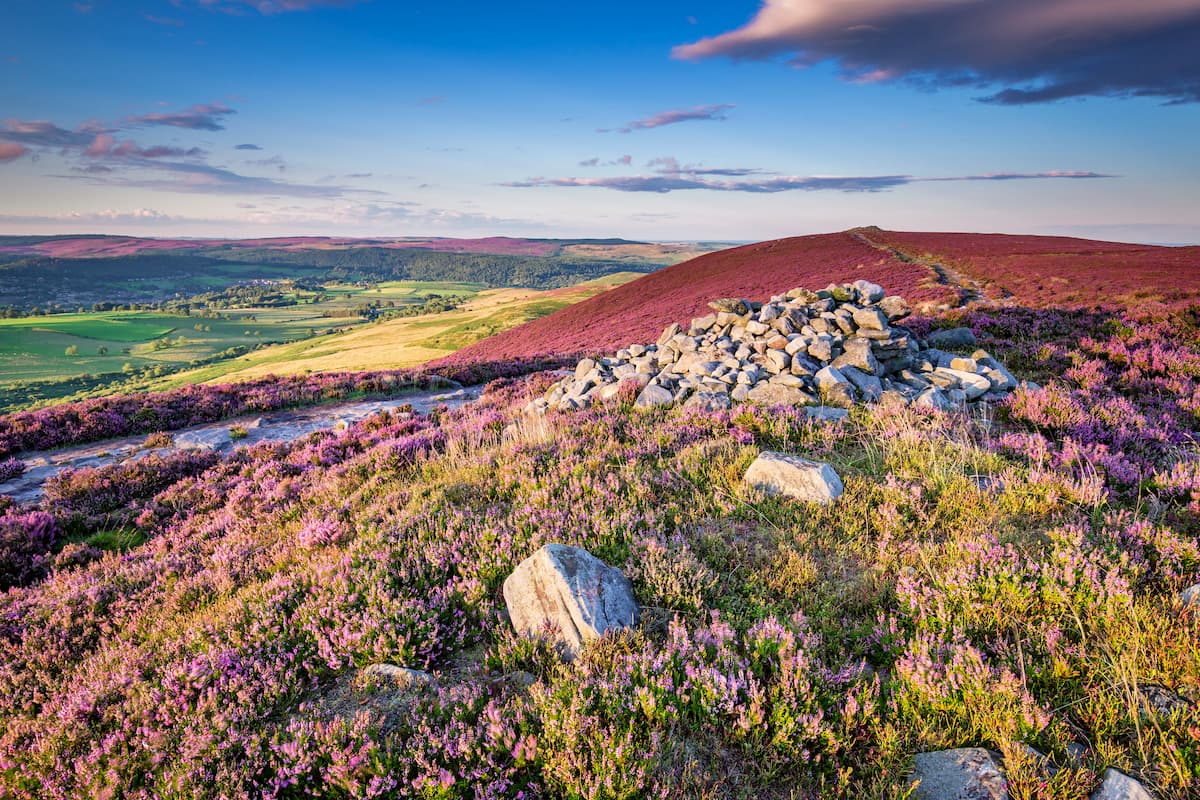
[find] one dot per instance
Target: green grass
(68, 347)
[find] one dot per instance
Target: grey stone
(964, 364)
(826, 413)
(952, 338)
(654, 396)
(1189, 598)
(398, 677)
(868, 292)
(756, 328)
(777, 361)
(869, 387)
(704, 323)
(1116, 785)
(871, 318)
(966, 773)
(583, 368)
(572, 591)
(731, 305)
(834, 388)
(777, 394)
(858, 354)
(895, 308)
(794, 477)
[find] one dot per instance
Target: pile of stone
(834, 347)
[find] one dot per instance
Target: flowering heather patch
(963, 591)
(11, 468)
(123, 415)
(1051, 271)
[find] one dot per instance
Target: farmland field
(46, 351)
(398, 343)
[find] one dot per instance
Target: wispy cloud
(1023, 51)
(204, 117)
(200, 178)
(274, 161)
(11, 151)
(247, 147)
(269, 7)
(696, 113)
(105, 145)
(40, 133)
(698, 179)
(621, 161)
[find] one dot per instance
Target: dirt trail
(274, 427)
(968, 289)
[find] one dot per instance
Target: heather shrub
(11, 468)
(26, 540)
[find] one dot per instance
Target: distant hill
(67, 272)
(931, 269)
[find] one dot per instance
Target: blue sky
(667, 120)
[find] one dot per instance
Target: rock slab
(966, 773)
(794, 477)
(1116, 785)
(572, 591)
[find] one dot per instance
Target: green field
(68, 349)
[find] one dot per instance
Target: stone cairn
(834, 347)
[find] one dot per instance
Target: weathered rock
(868, 386)
(895, 308)
(826, 413)
(858, 354)
(966, 773)
(868, 293)
(571, 591)
(1116, 785)
(654, 396)
(731, 305)
(871, 318)
(583, 368)
(952, 339)
(794, 477)
(776, 394)
(398, 677)
(834, 388)
(1189, 598)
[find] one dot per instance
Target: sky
(673, 120)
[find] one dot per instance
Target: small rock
(834, 388)
(964, 364)
(571, 590)
(952, 339)
(1117, 785)
(701, 324)
(731, 305)
(858, 354)
(583, 368)
(895, 308)
(826, 413)
(966, 773)
(776, 394)
(868, 293)
(871, 318)
(1189, 598)
(794, 477)
(399, 677)
(654, 396)
(868, 386)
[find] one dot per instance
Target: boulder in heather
(1190, 598)
(398, 677)
(952, 339)
(570, 591)
(654, 395)
(895, 307)
(791, 476)
(965, 773)
(1116, 785)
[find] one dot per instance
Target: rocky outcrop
(967, 773)
(794, 477)
(570, 592)
(838, 346)
(397, 677)
(1117, 785)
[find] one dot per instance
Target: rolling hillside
(931, 269)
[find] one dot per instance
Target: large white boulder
(572, 591)
(794, 477)
(966, 773)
